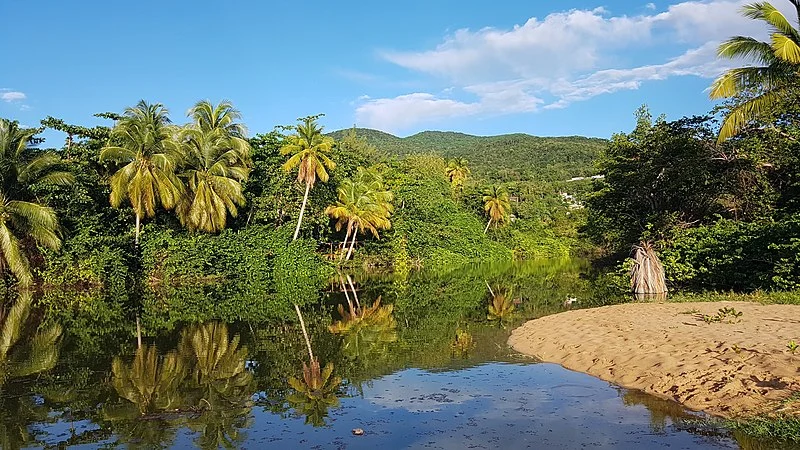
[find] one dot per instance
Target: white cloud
(564, 58)
(650, 6)
(7, 95)
(405, 110)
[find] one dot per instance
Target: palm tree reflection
(317, 391)
(25, 350)
(501, 305)
(204, 384)
(367, 331)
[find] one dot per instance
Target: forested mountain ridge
(502, 158)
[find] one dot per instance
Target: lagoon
(426, 366)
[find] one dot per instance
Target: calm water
(415, 362)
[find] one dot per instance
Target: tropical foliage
(308, 148)
(367, 330)
(458, 171)
(364, 204)
(144, 147)
(206, 375)
(497, 206)
(24, 349)
(719, 215)
(496, 159)
(24, 222)
(775, 78)
(215, 163)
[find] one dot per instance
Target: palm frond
(748, 48)
(785, 48)
(747, 111)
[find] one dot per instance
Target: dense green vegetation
(133, 212)
(719, 202)
(146, 227)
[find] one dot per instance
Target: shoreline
(737, 368)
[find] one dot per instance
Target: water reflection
(367, 330)
(422, 352)
(315, 393)
(502, 305)
(463, 342)
(26, 348)
(204, 384)
(662, 412)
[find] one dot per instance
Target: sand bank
(668, 350)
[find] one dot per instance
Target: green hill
(508, 157)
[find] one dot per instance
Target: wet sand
(666, 349)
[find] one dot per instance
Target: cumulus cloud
(561, 59)
(405, 110)
(8, 95)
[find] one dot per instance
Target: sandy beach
(727, 369)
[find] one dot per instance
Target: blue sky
(543, 68)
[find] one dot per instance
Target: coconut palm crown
(497, 206)
(363, 204)
(458, 171)
(775, 75)
(216, 160)
(24, 223)
(144, 144)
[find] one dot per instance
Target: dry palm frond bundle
(647, 273)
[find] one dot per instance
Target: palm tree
(315, 393)
(457, 171)
(497, 206)
(23, 221)
(219, 364)
(308, 147)
(216, 161)
(363, 204)
(144, 143)
(776, 75)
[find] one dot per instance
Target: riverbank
(739, 366)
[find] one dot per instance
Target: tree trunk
(346, 237)
(138, 332)
(487, 226)
(305, 333)
(138, 227)
(352, 244)
(302, 210)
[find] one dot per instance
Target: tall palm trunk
(138, 227)
(487, 226)
(302, 210)
(346, 237)
(305, 333)
(352, 244)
